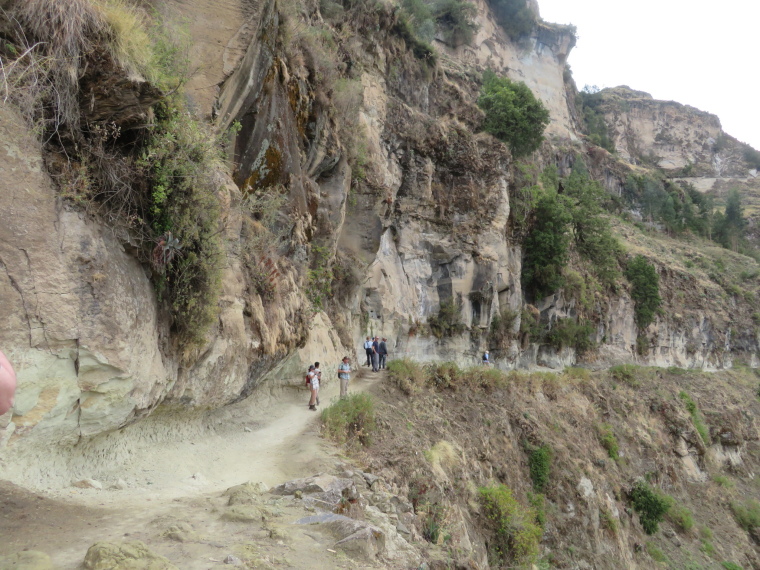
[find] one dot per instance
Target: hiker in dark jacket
(375, 354)
(382, 350)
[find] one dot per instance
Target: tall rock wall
(401, 191)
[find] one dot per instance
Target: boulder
(245, 494)
(325, 489)
(358, 539)
(125, 556)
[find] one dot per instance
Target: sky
(699, 53)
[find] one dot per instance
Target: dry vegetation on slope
(572, 448)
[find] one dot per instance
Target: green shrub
(708, 548)
(514, 16)
(350, 421)
(421, 49)
(320, 278)
(608, 521)
(444, 375)
(408, 375)
(180, 159)
(681, 518)
(723, 481)
(731, 566)
(516, 534)
(546, 246)
(696, 417)
(513, 114)
(627, 373)
(655, 552)
(747, 514)
(540, 463)
(645, 290)
(538, 503)
(448, 321)
(501, 332)
(596, 125)
(651, 505)
(569, 333)
(420, 18)
(455, 17)
(592, 235)
(530, 325)
(484, 377)
(608, 440)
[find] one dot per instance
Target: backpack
(308, 378)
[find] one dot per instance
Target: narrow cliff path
(180, 481)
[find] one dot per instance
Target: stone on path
(125, 556)
(246, 494)
(356, 538)
(87, 484)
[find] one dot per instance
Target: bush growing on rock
(608, 440)
(456, 20)
(651, 505)
(747, 514)
(570, 333)
(448, 321)
(645, 290)
(513, 114)
(546, 246)
(350, 421)
(514, 16)
(408, 375)
(540, 462)
(516, 534)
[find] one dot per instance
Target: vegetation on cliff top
(156, 180)
(513, 114)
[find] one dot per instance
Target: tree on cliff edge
(513, 114)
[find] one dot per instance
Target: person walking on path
(486, 359)
(7, 384)
(368, 350)
(344, 374)
(312, 380)
(318, 374)
(382, 349)
(375, 353)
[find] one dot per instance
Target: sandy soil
(181, 480)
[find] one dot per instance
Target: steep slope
(363, 199)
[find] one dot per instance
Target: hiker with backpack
(312, 381)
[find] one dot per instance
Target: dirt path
(178, 480)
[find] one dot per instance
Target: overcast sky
(703, 54)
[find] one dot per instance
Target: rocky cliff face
(677, 138)
(394, 207)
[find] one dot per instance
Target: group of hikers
(377, 352)
(314, 378)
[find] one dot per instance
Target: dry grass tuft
(129, 42)
(65, 31)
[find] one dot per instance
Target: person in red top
(7, 384)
